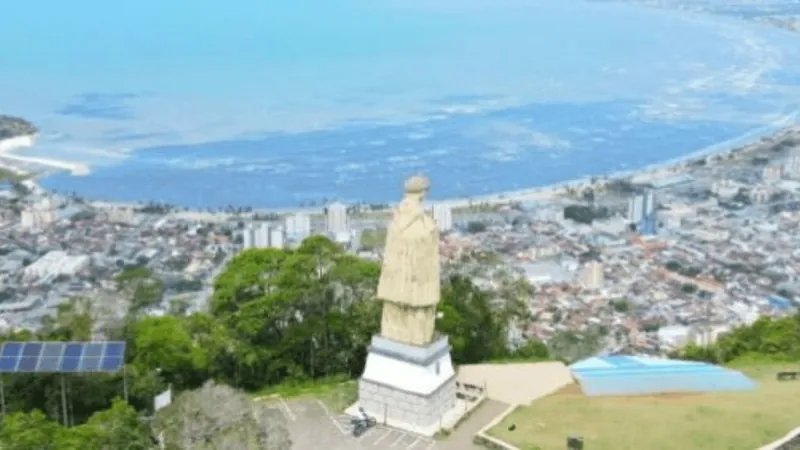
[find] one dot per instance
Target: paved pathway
(461, 438)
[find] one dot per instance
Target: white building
(649, 203)
(298, 226)
(276, 237)
(55, 263)
(773, 172)
(39, 216)
(592, 276)
(262, 236)
(443, 215)
(336, 218)
(120, 215)
(791, 167)
(636, 209)
(248, 237)
(641, 206)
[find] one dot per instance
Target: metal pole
(385, 413)
(3, 395)
(125, 382)
(71, 410)
(64, 401)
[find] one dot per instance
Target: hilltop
(11, 126)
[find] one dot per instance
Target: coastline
(8, 155)
(755, 140)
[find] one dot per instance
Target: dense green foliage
(586, 214)
(116, 428)
(14, 126)
(767, 338)
(476, 227)
(276, 316)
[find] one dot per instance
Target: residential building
(443, 215)
(262, 236)
(248, 237)
(592, 276)
(276, 237)
(298, 226)
(336, 218)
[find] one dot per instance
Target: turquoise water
(210, 103)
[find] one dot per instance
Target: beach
(10, 160)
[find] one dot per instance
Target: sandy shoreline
(754, 140)
(8, 156)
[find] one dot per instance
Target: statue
(409, 284)
(409, 380)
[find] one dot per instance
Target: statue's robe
(409, 283)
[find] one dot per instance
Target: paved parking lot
(313, 426)
(384, 437)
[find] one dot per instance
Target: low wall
(482, 436)
(788, 442)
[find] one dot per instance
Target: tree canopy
(767, 338)
(275, 316)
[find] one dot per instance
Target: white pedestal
(408, 387)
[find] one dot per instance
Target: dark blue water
(368, 163)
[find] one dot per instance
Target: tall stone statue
(409, 380)
(409, 284)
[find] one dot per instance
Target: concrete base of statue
(409, 387)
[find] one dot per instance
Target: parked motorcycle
(363, 423)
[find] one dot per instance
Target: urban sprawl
(646, 263)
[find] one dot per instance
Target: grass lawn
(736, 421)
(337, 392)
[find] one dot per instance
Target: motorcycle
(363, 423)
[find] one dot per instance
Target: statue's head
(417, 186)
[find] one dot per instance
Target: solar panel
(54, 357)
(31, 351)
(11, 349)
(115, 349)
(72, 357)
(50, 361)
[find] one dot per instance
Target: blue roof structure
(778, 302)
(638, 375)
(62, 357)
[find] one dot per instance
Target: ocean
(210, 103)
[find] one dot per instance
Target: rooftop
(638, 375)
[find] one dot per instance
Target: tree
(73, 321)
(218, 417)
(532, 350)
(621, 306)
(116, 428)
(477, 333)
(140, 286)
(290, 314)
(476, 227)
(29, 431)
(689, 288)
(165, 345)
(766, 338)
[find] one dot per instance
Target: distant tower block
(409, 381)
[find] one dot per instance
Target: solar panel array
(61, 357)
